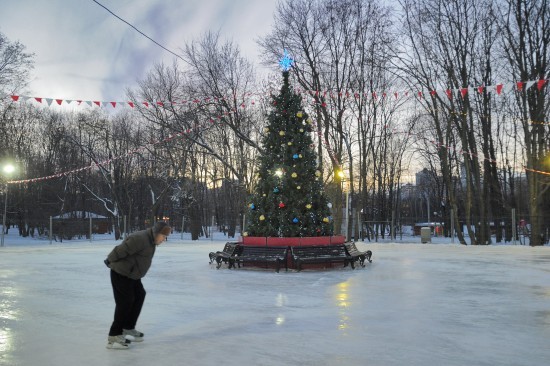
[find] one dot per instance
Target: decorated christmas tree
(288, 200)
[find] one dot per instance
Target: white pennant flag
(49, 101)
(530, 83)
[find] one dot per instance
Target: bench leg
(219, 261)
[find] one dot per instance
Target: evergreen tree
(289, 200)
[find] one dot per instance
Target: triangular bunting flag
(464, 91)
(449, 93)
(113, 104)
(529, 84)
(520, 85)
(146, 104)
(88, 102)
(131, 104)
(480, 89)
(15, 98)
(39, 100)
(59, 101)
(49, 101)
(103, 104)
(499, 89)
(97, 103)
(540, 84)
(25, 98)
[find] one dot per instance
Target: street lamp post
(343, 181)
(8, 169)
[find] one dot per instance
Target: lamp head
(9, 168)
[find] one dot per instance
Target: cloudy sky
(83, 52)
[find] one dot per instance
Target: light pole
(8, 169)
(342, 176)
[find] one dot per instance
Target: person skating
(129, 262)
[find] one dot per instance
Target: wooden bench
(321, 254)
(262, 254)
(357, 254)
(229, 251)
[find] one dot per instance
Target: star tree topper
(286, 61)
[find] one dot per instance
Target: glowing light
(279, 173)
(8, 168)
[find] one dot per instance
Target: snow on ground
(416, 304)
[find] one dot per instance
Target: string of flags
(463, 92)
(325, 94)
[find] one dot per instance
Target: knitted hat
(161, 227)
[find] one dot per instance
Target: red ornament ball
(281, 205)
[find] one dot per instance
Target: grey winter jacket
(132, 258)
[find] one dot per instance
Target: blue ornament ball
(295, 156)
(295, 220)
(276, 190)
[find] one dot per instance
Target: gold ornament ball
(317, 173)
(262, 218)
(281, 133)
(245, 233)
(308, 206)
(289, 143)
(325, 219)
(299, 114)
(294, 175)
(298, 187)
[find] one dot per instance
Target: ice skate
(133, 335)
(118, 342)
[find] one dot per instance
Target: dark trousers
(129, 296)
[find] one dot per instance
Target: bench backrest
(351, 247)
(263, 251)
(230, 248)
(320, 251)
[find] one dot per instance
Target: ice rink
(416, 304)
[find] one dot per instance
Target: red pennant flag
(39, 100)
(540, 84)
(146, 104)
(520, 85)
(433, 92)
(324, 104)
(464, 91)
(420, 95)
(131, 104)
(113, 104)
(374, 95)
(97, 103)
(59, 101)
(15, 98)
(449, 93)
(161, 104)
(480, 89)
(395, 95)
(79, 102)
(499, 89)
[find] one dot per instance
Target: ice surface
(416, 304)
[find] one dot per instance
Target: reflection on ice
(8, 314)
(342, 301)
